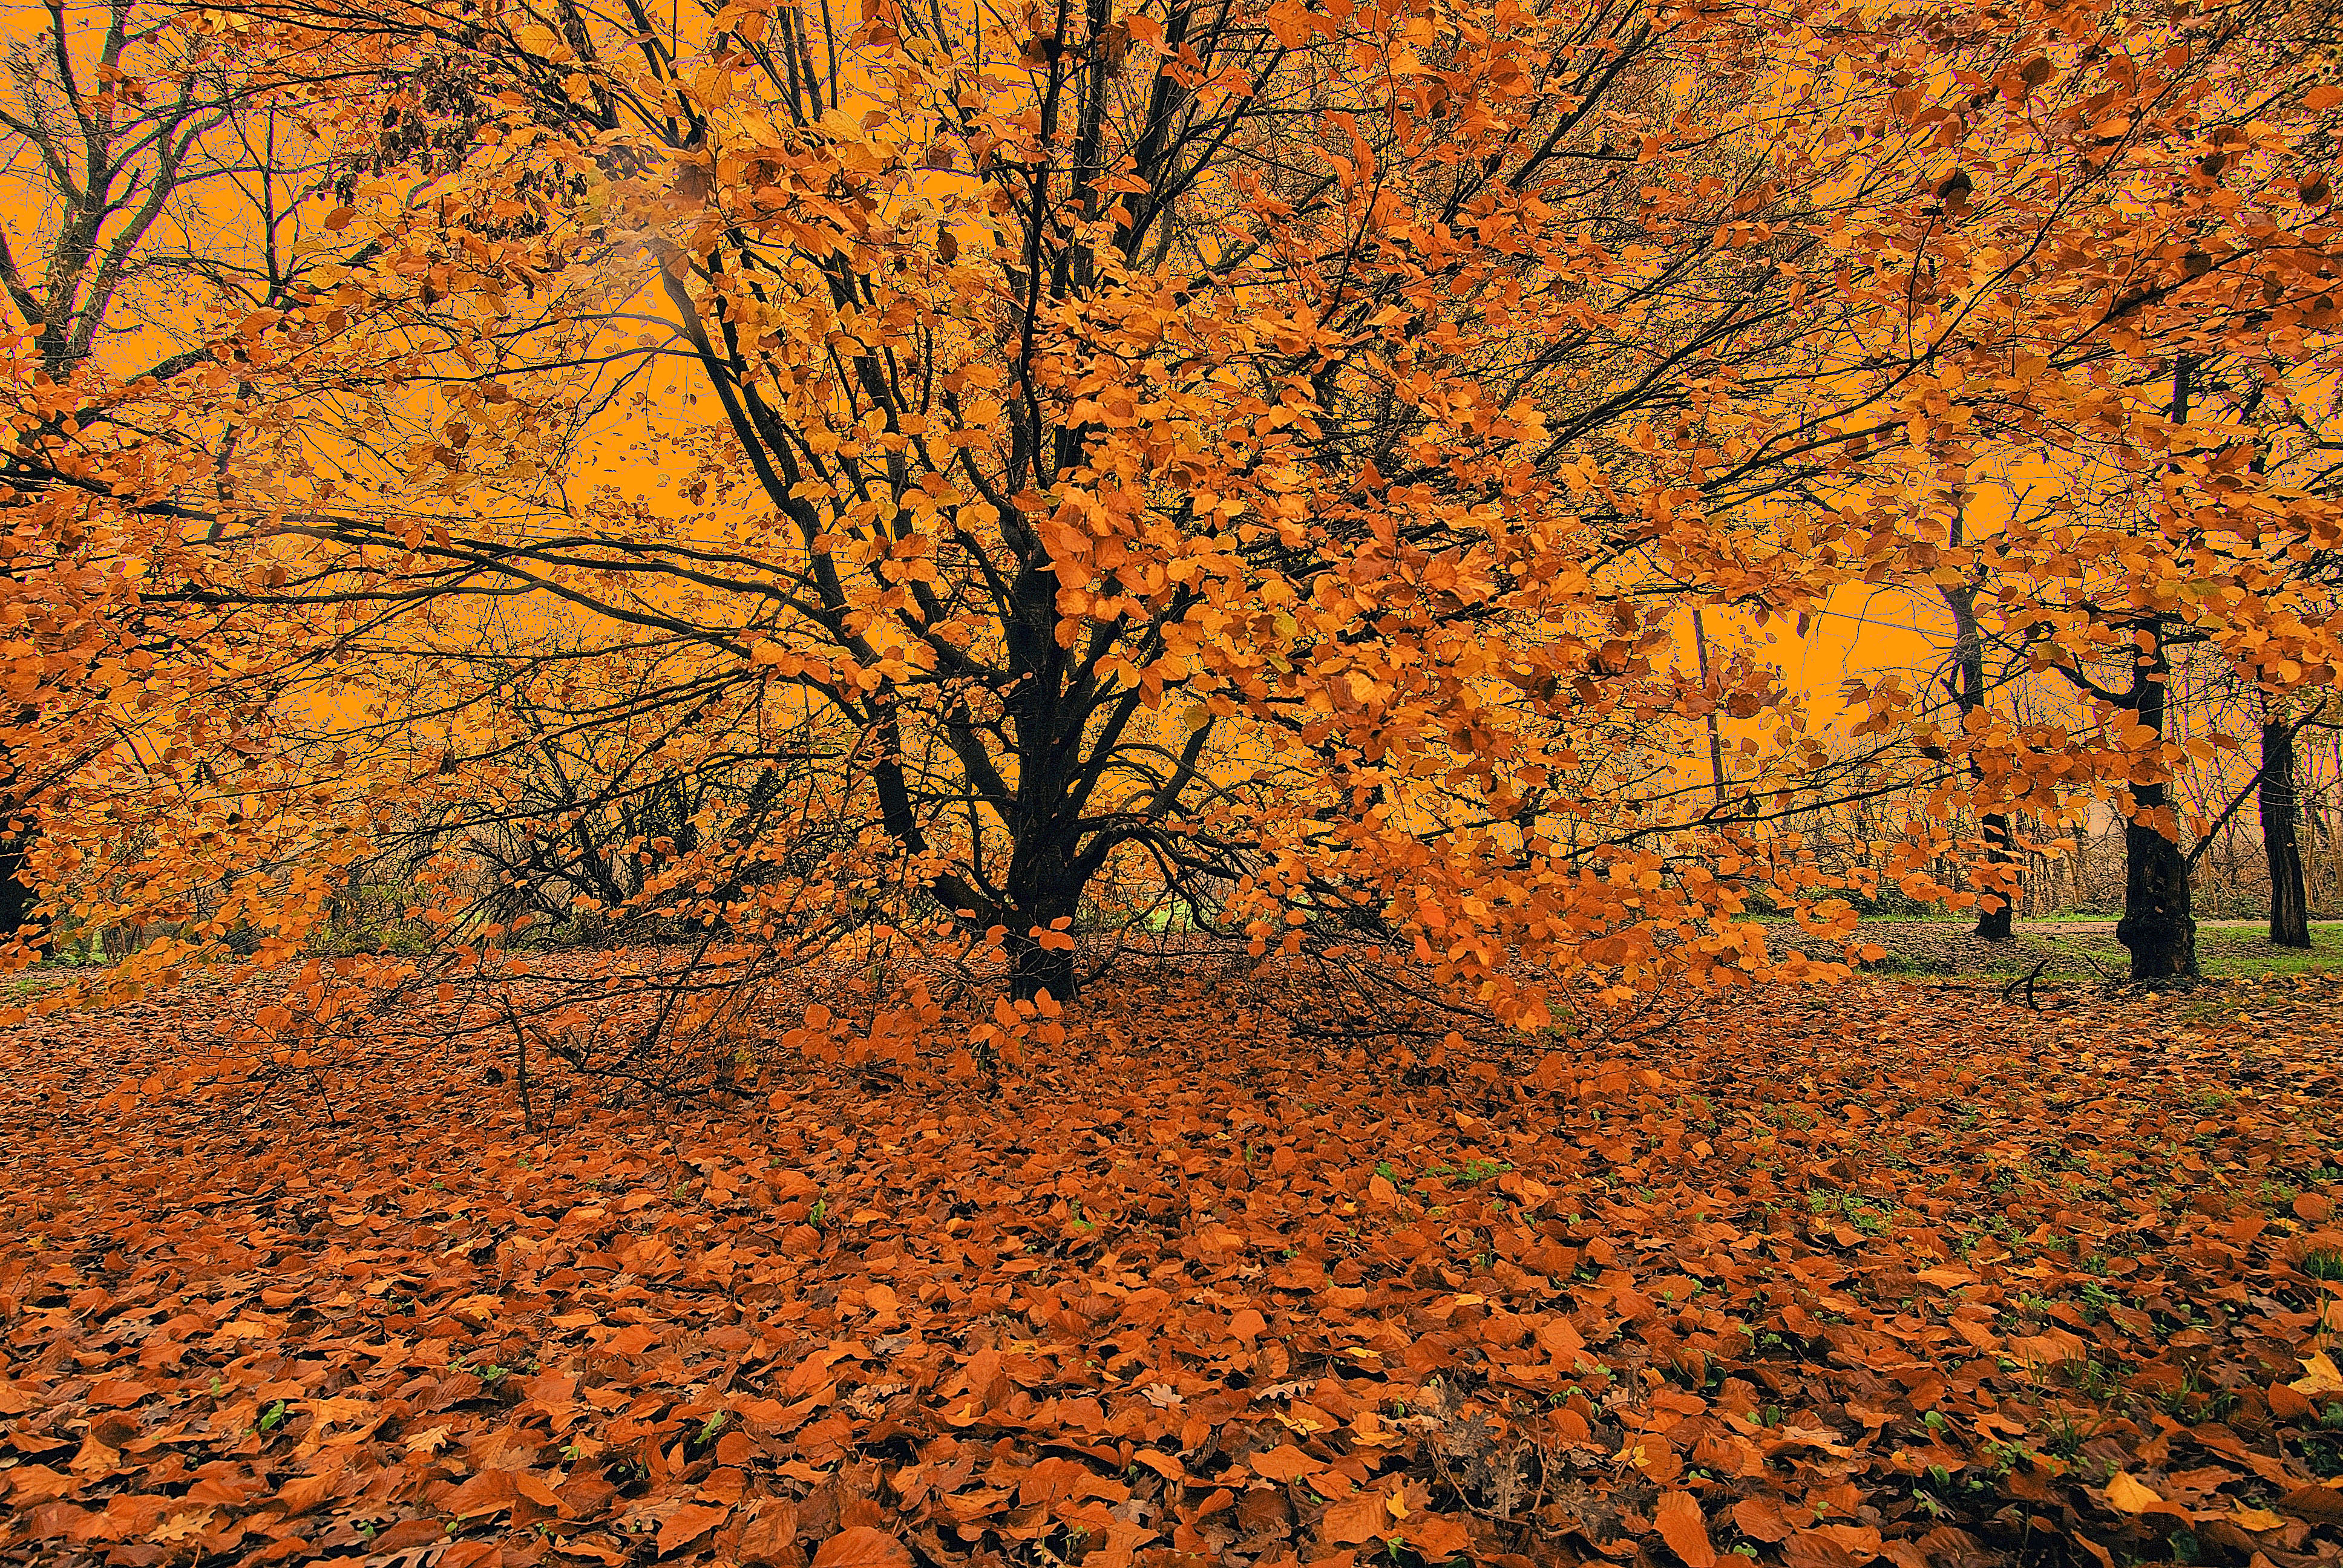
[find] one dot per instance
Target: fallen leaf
(2319, 1505)
(690, 1522)
(2320, 1378)
(2127, 1493)
(1681, 1526)
(1354, 1519)
(1283, 1463)
(861, 1546)
(430, 1440)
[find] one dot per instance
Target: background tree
(2276, 797)
(157, 160)
(2176, 535)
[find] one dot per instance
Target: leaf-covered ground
(1823, 1279)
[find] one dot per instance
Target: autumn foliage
(848, 494)
(976, 784)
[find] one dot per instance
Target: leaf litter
(1879, 1274)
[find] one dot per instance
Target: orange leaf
(2319, 1505)
(1681, 1527)
(1358, 1518)
(1284, 1463)
(1437, 1537)
(490, 1492)
(688, 1524)
(771, 1536)
(1760, 1519)
(1170, 1469)
(861, 1546)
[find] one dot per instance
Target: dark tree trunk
(1034, 968)
(2157, 924)
(1996, 914)
(16, 897)
(1041, 889)
(1036, 965)
(1715, 738)
(2289, 893)
(1995, 911)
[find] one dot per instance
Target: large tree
(1243, 457)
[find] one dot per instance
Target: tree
(2289, 918)
(158, 160)
(1968, 682)
(107, 154)
(996, 553)
(2189, 546)
(1252, 451)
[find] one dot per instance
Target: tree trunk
(2157, 924)
(1995, 911)
(16, 897)
(1716, 739)
(1043, 887)
(1034, 968)
(2289, 892)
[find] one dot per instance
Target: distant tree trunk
(17, 895)
(1716, 739)
(2289, 892)
(1995, 913)
(17, 898)
(2158, 926)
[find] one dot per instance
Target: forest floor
(1890, 1274)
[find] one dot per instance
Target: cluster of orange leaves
(1876, 1275)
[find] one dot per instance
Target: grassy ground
(2079, 952)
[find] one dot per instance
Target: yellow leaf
(2256, 1519)
(2128, 1494)
(2322, 1378)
